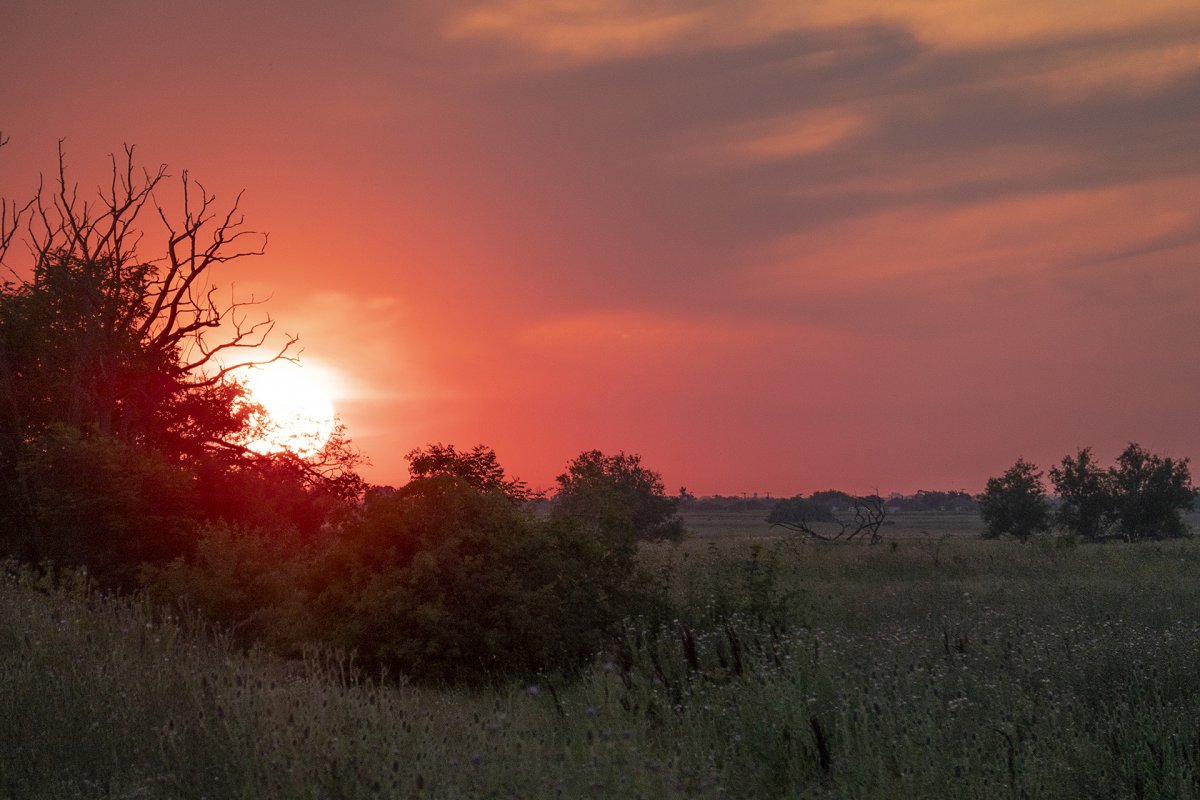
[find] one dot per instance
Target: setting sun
(299, 410)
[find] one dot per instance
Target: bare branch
(870, 515)
(169, 304)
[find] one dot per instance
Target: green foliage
(616, 493)
(1086, 495)
(1149, 492)
(1007, 671)
(1015, 503)
(120, 426)
(436, 581)
(443, 582)
(100, 502)
(1142, 496)
(478, 467)
(78, 348)
(249, 580)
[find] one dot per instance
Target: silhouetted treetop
(477, 466)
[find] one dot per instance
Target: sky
(769, 246)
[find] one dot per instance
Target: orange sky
(771, 246)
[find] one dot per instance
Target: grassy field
(902, 526)
(929, 666)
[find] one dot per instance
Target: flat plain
(900, 526)
(933, 665)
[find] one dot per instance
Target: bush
(616, 493)
(443, 582)
(249, 580)
(98, 502)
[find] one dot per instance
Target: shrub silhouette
(617, 493)
(444, 582)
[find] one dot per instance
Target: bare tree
(179, 306)
(144, 346)
(870, 514)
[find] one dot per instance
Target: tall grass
(960, 669)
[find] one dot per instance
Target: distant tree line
(1142, 496)
(924, 500)
(833, 500)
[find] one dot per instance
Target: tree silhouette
(800, 515)
(1015, 503)
(1149, 492)
(478, 466)
(1086, 494)
(619, 494)
(101, 339)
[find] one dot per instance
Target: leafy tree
(1015, 503)
(478, 467)
(1149, 492)
(619, 495)
(1086, 492)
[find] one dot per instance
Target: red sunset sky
(770, 245)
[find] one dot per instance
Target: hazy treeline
(834, 500)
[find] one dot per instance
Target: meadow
(933, 665)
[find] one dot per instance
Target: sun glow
(299, 414)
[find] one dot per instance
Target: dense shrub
(98, 502)
(250, 580)
(617, 492)
(115, 508)
(441, 581)
(438, 581)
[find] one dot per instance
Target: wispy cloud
(551, 223)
